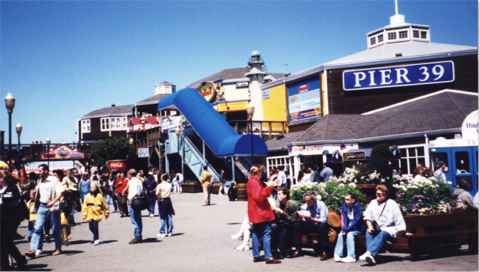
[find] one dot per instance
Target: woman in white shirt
(384, 220)
(165, 207)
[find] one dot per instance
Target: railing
(262, 128)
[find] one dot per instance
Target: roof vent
(397, 55)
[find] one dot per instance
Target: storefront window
(410, 157)
(462, 163)
(439, 158)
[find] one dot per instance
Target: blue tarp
(211, 126)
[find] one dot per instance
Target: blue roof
(211, 126)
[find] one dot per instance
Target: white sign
(143, 152)
(470, 126)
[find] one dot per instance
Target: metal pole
(18, 143)
(233, 168)
(48, 155)
(9, 134)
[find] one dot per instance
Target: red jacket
(120, 185)
(259, 210)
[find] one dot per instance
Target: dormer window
(372, 41)
(423, 35)
(380, 38)
(403, 34)
(416, 34)
(392, 36)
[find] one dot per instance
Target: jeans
(55, 219)
(375, 242)
(282, 236)
(136, 219)
(166, 224)
(31, 225)
(350, 241)
(93, 226)
(37, 235)
(262, 231)
(151, 203)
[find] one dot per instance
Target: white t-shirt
(163, 190)
(135, 187)
(390, 220)
(282, 178)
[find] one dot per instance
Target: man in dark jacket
(10, 211)
(149, 186)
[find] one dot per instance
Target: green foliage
(111, 149)
(332, 192)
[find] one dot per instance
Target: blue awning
(211, 126)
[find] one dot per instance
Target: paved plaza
(202, 243)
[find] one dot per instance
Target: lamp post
(19, 129)
(250, 112)
(9, 105)
(48, 152)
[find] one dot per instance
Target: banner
(399, 76)
(304, 100)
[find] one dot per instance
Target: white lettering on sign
(402, 75)
(372, 78)
(359, 76)
(385, 76)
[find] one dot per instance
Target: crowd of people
(278, 224)
(50, 199)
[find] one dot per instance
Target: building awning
(211, 126)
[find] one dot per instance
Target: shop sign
(143, 152)
(304, 100)
(117, 165)
(354, 156)
(399, 76)
(470, 127)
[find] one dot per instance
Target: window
(380, 38)
(85, 126)
(105, 124)
(410, 157)
(416, 34)
(392, 35)
(403, 34)
(424, 35)
(372, 41)
(462, 162)
(118, 123)
(281, 161)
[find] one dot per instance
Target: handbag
(376, 227)
(139, 202)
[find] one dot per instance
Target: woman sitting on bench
(384, 220)
(351, 215)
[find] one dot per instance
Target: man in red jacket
(260, 214)
(120, 184)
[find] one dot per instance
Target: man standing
(205, 180)
(134, 189)
(120, 186)
(48, 193)
(282, 177)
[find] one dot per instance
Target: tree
(111, 149)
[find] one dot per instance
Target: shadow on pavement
(150, 240)
(108, 242)
(36, 267)
(178, 234)
(80, 242)
(234, 223)
(71, 252)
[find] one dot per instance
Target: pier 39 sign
(399, 76)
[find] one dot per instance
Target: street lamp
(9, 105)
(19, 129)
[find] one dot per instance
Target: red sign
(143, 123)
(117, 165)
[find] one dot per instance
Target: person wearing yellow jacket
(94, 209)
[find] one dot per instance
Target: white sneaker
(96, 242)
(364, 256)
(348, 260)
(169, 234)
(38, 253)
(370, 260)
(337, 258)
(152, 215)
(160, 236)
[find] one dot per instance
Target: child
(94, 209)
(32, 214)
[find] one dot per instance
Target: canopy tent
(211, 126)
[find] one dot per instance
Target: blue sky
(63, 59)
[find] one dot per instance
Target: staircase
(192, 157)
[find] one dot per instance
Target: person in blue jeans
(134, 189)
(149, 185)
(351, 222)
(384, 221)
(165, 207)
